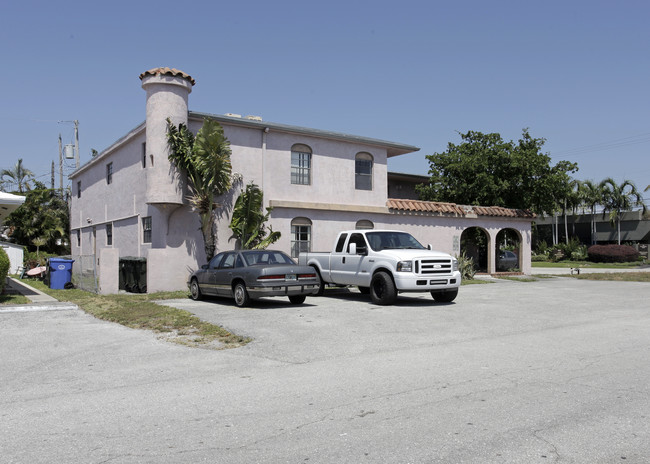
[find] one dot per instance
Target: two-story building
(130, 201)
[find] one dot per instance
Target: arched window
(364, 224)
(363, 171)
(300, 164)
(300, 236)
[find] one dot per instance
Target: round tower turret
(167, 94)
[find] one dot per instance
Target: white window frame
(363, 180)
(301, 234)
(301, 164)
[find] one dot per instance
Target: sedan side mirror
(205, 266)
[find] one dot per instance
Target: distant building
(129, 200)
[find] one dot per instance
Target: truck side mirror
(429, 247)
(352, 248)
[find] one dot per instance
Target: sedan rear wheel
(195, 290)
(241, 295)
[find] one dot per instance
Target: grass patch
(138, 311)
(585, 264)
(517, 279)
(616, 276)
(475, 282)
(13, 299)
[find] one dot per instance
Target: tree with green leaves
(591, 195)
(486, 170)
(248, 219)
(42, 222)
(19, 176)
(205, 159)
(618, 198)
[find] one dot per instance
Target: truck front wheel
(445, 296)
(382, 289)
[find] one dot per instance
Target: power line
(637, 139)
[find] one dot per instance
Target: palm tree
(618, 199)
(591, 195)
(206, 161)
(571, 202)
(19, 176)
(248, 220)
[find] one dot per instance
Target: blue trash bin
(60, 272)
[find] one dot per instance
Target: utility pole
(52, 177)
(60, 165)
(76, 142)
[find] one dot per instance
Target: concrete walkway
(39, 301)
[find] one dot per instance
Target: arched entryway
(508, 251)
(475, 243)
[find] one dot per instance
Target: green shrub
(466, 267)
(536, 258)
(4, 269)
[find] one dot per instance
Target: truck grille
(433, 266)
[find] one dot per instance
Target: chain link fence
(84, 273)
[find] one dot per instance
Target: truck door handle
(343, 261)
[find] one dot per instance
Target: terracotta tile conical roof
(169, 72)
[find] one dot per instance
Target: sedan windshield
(392, 240)
(265, 257)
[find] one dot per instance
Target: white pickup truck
(385, 263)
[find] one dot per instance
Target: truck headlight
(405, 266)
(454, 264)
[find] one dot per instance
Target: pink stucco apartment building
(129, 201)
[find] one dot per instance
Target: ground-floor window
(146, 229)
(300, 236)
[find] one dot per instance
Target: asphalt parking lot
(549, 371)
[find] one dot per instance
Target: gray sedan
(249, 274)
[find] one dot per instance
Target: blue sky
(576, 73)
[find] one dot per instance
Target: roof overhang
(392, 148)
(8, 204)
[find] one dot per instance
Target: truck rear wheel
(445, 296)
(321, 287)
(382, 289)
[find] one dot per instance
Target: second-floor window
(79, 189)
(146, 229)
(109, 173)
(363, 171)
(301, 164)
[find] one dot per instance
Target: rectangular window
(79, 189)
(144, 155)
(363, 174)
(78, 238)
(109, 173)
(300, 168)
(146, 229)
(109, 234)
(300, 240)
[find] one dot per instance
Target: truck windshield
(392, 240)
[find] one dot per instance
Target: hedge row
(4, 269)
(612, 254)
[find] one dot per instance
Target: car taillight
(306, 276)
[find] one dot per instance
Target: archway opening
(474, 242)
(508, 256)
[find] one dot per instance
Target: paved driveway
(551, 371)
